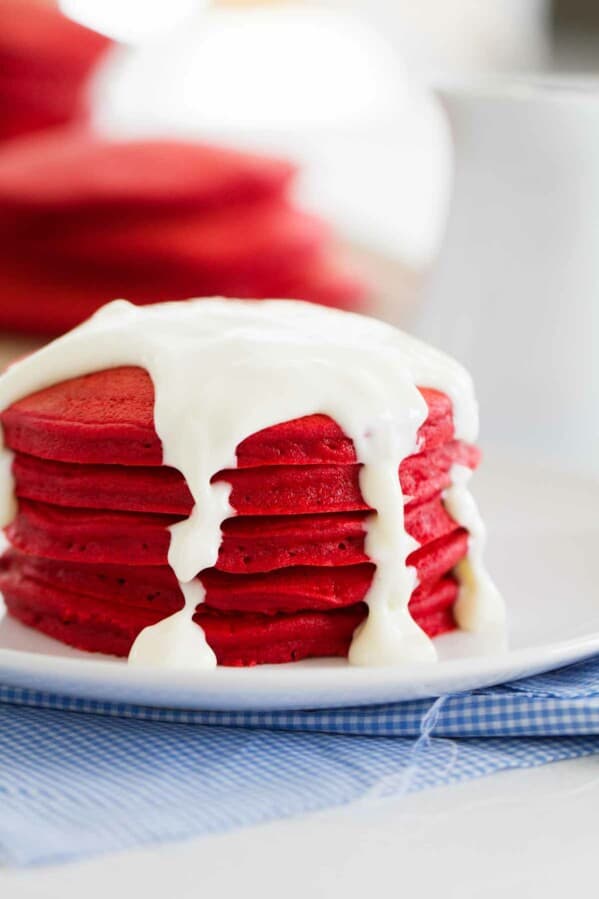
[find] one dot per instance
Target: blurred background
(432, 163)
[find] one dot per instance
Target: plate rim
(294, 687)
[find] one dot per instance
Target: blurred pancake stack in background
(85, 218)
(45, 62)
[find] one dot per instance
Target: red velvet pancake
(284, 590)
(236, 638)
(45, 60)
(232, 241)
(108, 417)
(48, 298)
(267, 490)
(249, 544)
(73, 173)
(33, 104)
(35, 39)
(327, 278)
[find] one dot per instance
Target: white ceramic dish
(544, 532)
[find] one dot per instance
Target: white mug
(515, 291)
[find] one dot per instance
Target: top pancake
(108, 417)
(264, 490)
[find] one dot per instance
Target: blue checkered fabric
(78, 777)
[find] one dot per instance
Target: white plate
(544, 530)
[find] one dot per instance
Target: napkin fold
(80, 777)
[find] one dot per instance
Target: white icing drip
(389, 632)
(223, 370)
(174, 642)
(8, 499)
(479, 607)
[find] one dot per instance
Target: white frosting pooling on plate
(225, 369)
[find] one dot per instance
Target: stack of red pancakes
(85, 219)
(89, 544)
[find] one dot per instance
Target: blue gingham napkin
(78, 777)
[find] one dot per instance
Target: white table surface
(517, 834)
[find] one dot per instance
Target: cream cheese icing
(479, 606)
(225, 369)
